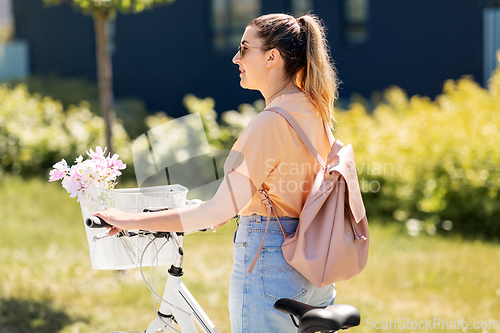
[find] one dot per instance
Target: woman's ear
(273, 58)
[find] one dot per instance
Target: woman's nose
(236, 58)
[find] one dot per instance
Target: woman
(287, 60)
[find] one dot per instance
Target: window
(491, 39)
(14, 60)
(6, 20)
(229, 19)
(355, 17)
(300, 7)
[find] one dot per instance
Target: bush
(429, 164)
(69, 91)
(432, 165)
(72, 91)
(36, 132)
(221, 134)
(437, 162)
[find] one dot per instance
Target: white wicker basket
(118, 253)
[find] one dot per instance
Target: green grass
(47, 284)
(425, 279)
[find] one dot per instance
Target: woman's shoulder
(268, 115)
(268, 119)
(298, 105)
(266, 126)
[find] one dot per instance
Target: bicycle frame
(178, 304)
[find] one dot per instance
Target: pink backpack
(331, 241)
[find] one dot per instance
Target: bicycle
(179, 307)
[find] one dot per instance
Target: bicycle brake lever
(152, 210)
(100, 236)
(126, 233)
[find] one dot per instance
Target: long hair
(303, 46)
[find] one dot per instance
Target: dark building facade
(186, 47)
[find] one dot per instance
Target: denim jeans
(252, 296)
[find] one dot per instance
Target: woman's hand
(118, 219)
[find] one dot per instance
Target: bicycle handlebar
(97, 222)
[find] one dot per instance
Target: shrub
(429, 164)
(221, 134)
(435, 161)
(36, 132)
(72, 91)
(69, 91)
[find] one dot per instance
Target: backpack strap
(270, 209)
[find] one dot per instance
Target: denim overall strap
(270, 209)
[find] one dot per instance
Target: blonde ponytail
(318, 78)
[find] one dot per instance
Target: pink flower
(72, 186)
(60, 170)
(98, 154)
(115, 163)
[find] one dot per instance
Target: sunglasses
(242, 48)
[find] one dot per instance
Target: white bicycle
(179, 311)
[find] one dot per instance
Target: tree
(102, 11)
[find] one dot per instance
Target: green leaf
(110, 6)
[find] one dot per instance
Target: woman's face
(252, 61)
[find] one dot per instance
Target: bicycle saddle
(320, 318)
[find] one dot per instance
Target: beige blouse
(276, 159)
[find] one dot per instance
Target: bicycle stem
(178, 247)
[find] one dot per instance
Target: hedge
(36, 131)
(436, 163)
(432, 164)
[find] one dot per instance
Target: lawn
(47, 284)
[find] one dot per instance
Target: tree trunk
(104, 73)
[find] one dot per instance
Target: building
(186, 47)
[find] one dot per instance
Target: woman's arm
(234, 193)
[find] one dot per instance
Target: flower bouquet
(98, 171)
